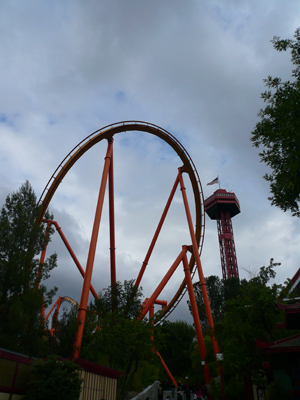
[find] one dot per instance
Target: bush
(54, 379)
(275, 392)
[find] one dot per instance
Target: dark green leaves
(22, 293)
(54, 379)
(277, 133)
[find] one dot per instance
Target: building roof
(86, 365)
(292, 315)
(97, 369)
(294, 283)
(290, 344)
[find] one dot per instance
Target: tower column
(227, 246)
(222, 206)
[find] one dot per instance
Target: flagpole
(219, 182)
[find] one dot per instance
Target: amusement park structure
(188, 255)
(222, 206)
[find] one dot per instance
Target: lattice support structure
(227, 246)
(222, 206)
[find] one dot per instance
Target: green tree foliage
(22, 292)
(218, 292)
(177, 347)
(251, 315)
(197, 373)
(114, 336)
(276, 392)
(120, 298)
(122, 340)
(243, 311)
(278, 131)
(61, 341)
(215, 292)
(54, 378)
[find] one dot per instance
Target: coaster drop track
(196, 229)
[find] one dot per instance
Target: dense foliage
(218, 292)
(123, 340)
(246, 312)
(54, 378)
(177, 347)
(251, 315)
(114, 334)
(22, 292)
(278, 131)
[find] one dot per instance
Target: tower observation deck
(223, 206)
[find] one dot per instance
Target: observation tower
(223, 206)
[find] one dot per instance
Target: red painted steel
(112, 249)
(196, 236)
(151, 315)
(195, 314)
(72, 254)
(162, 303)
(162, 284)
(227, 246)
(158, 229)
(107, 133)
(52, 308)
(222, 206)
(166, 368)
(58, 302)
(198, 262)
(91, 256)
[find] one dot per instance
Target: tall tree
(251, 315)
(122, 340)
(54, 378)
(22, 292)
(215, 291)
(177, 347)
(278, 131)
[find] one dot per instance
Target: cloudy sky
(194, 68)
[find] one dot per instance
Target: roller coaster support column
(158, 229)
(198, 263)
(91, 256)
(196, 318)
(112, 221)
(52, 308)
(72, 254)
(166, 368)
(151, 315)
(163, 283)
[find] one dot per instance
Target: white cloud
(194, 68)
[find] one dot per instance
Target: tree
(61, 340)
(251, 315)
(218, 291)
(278, 131)
(22, 292)
(54, 378)
(122, 340)
(243, 311)
(177, 347)
(215, 292)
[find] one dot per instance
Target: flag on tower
(216, 180)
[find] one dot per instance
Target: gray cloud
(195, 69)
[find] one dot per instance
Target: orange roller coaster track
(107, 133)
(196, 229)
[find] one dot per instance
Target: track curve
(108, 132)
